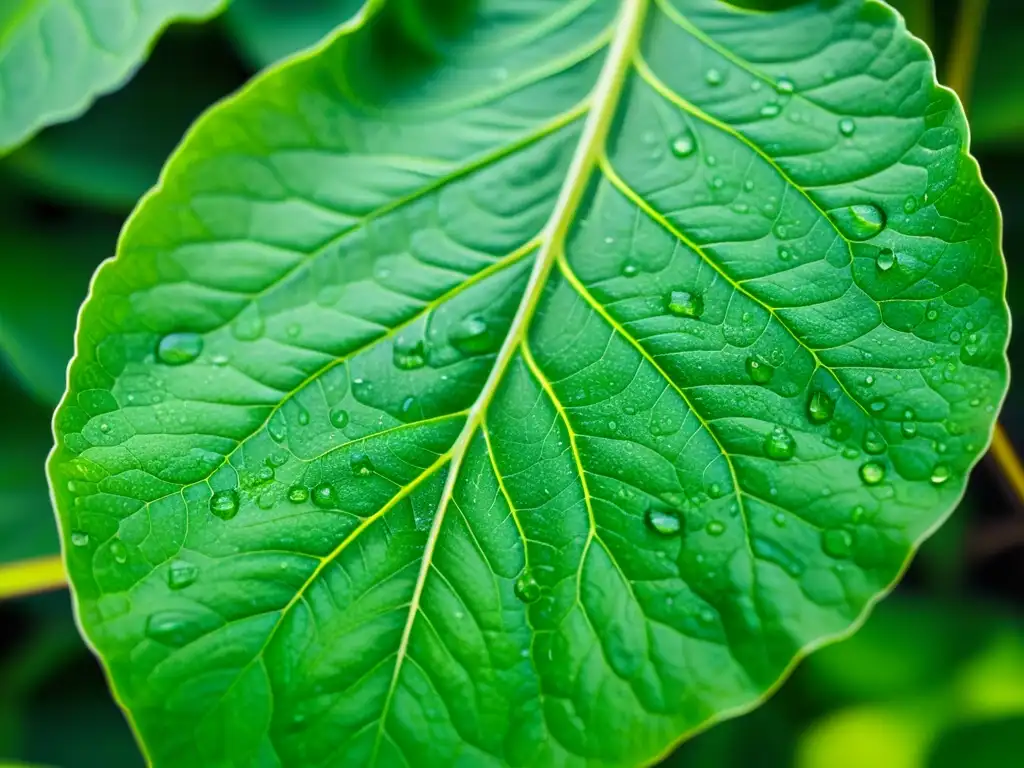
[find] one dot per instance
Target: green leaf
(266, 31)
(56, 56)
(529, 387)
(112, 154)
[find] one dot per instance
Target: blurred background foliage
(935, 679)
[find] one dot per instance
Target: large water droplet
(409, 357)
(169, 627)
(874, 443)
(837, 543)
(759, 370)
(885, 260)
(527, 588)
(860, 222)
(119, 551)
(324, 497)
(179, 348)
(181, 574)
(683, 145)
(471, 336)
(662, 521)
(847, 127)
(79, 538)
(820, 407)
(779, 444)
(872, 473)
(940, 474)
(362, 465)
(224, 504)
(339, 418)
(685, 304)
(297, 494)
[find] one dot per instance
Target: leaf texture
(57, 56)
(532, 385)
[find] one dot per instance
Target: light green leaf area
(56, 56)
(535, 400)
(268, 30)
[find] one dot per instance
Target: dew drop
(80, 538)
(874, 443)
(686, 304)
(820, 407)
(119, 551)
(715, 528)
(860, 222)
(527, 588)
(224, 504)
(759, 370)
(713, 77)
(298, 494)
(339, 418)
(361, 464)
(409, 357)
(940, 474)
(779, 444)
(629, 269)
(784, 85)
(872, 473)
(169, 628)
(683, 145)
(181, 574)
(877, 406)
(931, 314)
(303, 417)
(779, 519)
(837, 543)
(278, 427)
(265, 474)
(663, 521)
(323, 496)
(847, 127)
(179, 348)
(770, 110)
(910, 204)
(908, 429)
(248, 327)
(886, 260)
(471, 336)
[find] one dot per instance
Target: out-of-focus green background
(935, 679)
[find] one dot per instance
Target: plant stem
(30, 577)
(963, 52)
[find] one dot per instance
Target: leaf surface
(528, 383)
(56, 56)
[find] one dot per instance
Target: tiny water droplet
(908, 429)
(784, 85)
(179, 348)
(954, 336)
(181, 574)
(885, 260)
(612, 426)
(715, 528)
(249, 326)
(770, 110)
(872, 473)
(931, 314)
(409, 357)
(323, 496)
(820, 407)
(663, 521)
(779, 519)
(298, 494)
(837, 543)
(874, 443)
(847, 127)
(277, 428)
(683, 145)
(910, 204)
(779, 444)
(80, 538)
(224, 504)
(471, 336)
(361, 464)
(713, 77)
(759, 370)
(169, 627)
(339, 418)
(686, 304)
(940, 474)
(869, 379)
(877, 406)
(748, 185)
(629, 269)
(860, 222)
(527, 588)
(265, 474)
(119, 551)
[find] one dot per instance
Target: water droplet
(779, 444)
(663, 521)
(847, 127)
(249, 326)
(181, 574)
(910, 204)
(886, 260)
(784, 85)
(784, 253)
(874, 443)
(931, 314)
(686, 304)
(748, 185)
(872, 473)
(820, 407)
(80, 538)
(683, 145)
(409, 357)
(298, 494)
(339, 418)
(119, 551)
(104, 428)
(770, 110)
(940, 474)
(908, 429)
(954, 336)
(179, 348)
(471, 336)
(715, 528)
(612, 426)
(169, 628)
(713, 77)
(277, 428)
(877, 406)
(837, 543)
(220, 360)
(224, 504)
(629, 269)
(860, 222)
(527, 588)
(323, 496)
(779, 519)
(869, 379)
(759, 370)
(361, 464)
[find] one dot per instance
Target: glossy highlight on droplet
(664, 522)
(179, 348)
(224, 504)
(527, 588)
(685, 304)
(860, 222)
(779, 444)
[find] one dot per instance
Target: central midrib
(603, 105)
